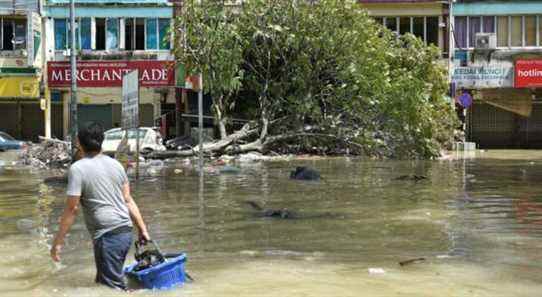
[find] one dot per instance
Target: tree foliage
(318, 76)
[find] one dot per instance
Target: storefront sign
(96, 74)
(528, 74)
(483, 77)
(23, 87)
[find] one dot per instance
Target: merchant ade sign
(96, 74)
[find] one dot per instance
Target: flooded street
(477, 222)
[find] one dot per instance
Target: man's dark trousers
(110, 251)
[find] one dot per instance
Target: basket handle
(140, 243)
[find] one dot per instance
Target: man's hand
(66, 220)
(144, 236)
(55, 252)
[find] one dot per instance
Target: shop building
(113, 37)
(497, 52)
(21, 69)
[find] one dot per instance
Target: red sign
(528, 74)
(109, 73)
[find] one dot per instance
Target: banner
(99, 74)
(23, 87)
(483, 77)
(528, 74)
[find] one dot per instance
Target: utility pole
(73, 93)
(200, 121)
(179, 93)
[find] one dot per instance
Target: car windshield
(118, 134)
(2, 139)
(5, 136)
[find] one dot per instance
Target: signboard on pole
(130, 108)
(130, 100)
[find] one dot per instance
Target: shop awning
(518, 101)
(19, 87)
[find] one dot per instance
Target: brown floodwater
(476, 221)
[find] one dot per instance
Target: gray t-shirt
(99, 181)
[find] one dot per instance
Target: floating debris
(376, 270)
(49, 153)
(411, 261)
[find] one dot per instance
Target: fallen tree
(322, 77)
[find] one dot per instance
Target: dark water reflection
(477, 222)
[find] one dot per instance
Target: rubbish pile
(49, 153)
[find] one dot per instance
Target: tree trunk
(216, 146)
(221, 120)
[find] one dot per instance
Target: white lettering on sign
(530, 73)
(110, 73)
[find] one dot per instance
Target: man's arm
(66, 221)
(134, 213)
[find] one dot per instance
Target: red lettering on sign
(109, 73)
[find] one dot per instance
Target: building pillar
(66, 114)
(19, 120)
(47, 112)
(186, 110)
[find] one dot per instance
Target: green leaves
(325, 65)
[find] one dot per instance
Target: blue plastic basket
(166, 275)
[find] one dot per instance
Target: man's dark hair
(91, 136)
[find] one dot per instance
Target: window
(404, 25)
(488, 24)
(530, 31)
(100, 34)
(502, 31)
(85, 33)
(474, 27)
(432, 29)
(112, 35)
(512, 31)
(163, 34)
(418, 27)
(146, 34)
(425, 28)
(13, 34)
(391, 23)
(379, 20)
(139, 33)
(516, 39)
(460, 32)
(134, 34)
(152, 32)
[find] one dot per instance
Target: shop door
(101, 114)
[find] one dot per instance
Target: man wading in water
(101, 185)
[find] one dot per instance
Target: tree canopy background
(317, 77)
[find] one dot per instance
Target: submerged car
(150, 140)
(9, 143)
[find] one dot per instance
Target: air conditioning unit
(485, 41)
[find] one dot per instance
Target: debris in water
(229, 169)
(49, 153)
(305, 173)
(376, 271)
(411, 261)
(413, 177)
(178, 171)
